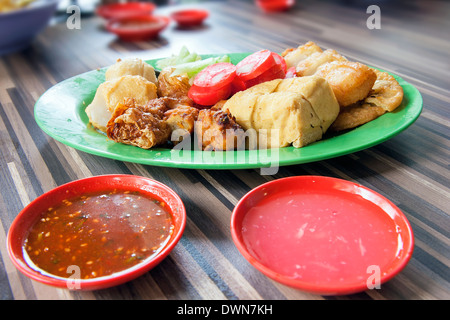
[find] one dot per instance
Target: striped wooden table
(411, 169)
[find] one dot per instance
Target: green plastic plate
(59, 112)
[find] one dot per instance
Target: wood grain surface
(411, 169)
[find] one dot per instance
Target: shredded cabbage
(192, 68)
(184, 56)
(189, 63)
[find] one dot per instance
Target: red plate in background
(125, 10)
(189, 17)
(138, 28)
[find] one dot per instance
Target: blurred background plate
(189, 17)
(125, 10)
(19, 27)
(138, 28)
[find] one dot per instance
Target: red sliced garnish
(208, 97)
(255, 65)
(216, 76)
(276, 72)
(291, 73)
(280, 60)
(237, 85)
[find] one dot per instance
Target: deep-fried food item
(318, 93)
(175, 87)
(356, 115)
(285, 112)
(293, 56)
(156, 106)
(217, 130)
(112, 92)
(218, 105)
(280, 119)
(386, 92)
(308, 66)
(173, 103)
(139, 125)
(350, 81)
(181, 121)
(132, 67)
(385, 96)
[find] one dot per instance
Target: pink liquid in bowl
(328, 239)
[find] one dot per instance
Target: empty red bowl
(189, 17)
(138, 28)
(322, 235)
(125, 10)
(34, 211)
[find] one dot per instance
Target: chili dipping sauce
(101, 233)
(322, 238)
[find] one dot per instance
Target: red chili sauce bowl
(138, 28)
(133, 187)
(125, 10)
(322, 235)
(189, 17)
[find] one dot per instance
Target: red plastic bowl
(30, 214)
(274, 5)
(125, 10)
(322, 235)
(189, 17)
(138, 28)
